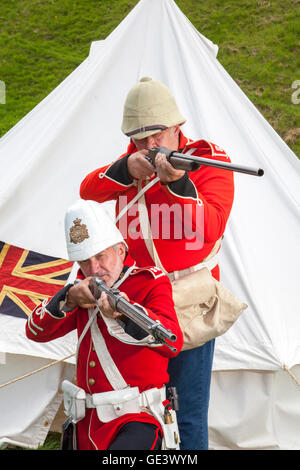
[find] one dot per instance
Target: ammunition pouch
(112, 405)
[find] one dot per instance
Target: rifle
(181, 161)
(121, 305)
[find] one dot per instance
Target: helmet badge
(78, 232)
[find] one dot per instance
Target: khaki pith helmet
(149, 108)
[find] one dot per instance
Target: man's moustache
(102, 273)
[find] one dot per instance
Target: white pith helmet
(149, 108)
(89, 230)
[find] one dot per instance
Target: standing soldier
(198, 203)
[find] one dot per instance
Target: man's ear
(122, 251)
(175, 130)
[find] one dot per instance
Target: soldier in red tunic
(121, 371)
(188, 212)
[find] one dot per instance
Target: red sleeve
(43, 326)
(106, 183)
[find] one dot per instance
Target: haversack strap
(107, 363)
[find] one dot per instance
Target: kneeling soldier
(120, 400)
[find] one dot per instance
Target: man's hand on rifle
(105, 307)
(139, 167)
(166, 172)
(80, 295)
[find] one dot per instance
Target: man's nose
(94, 266)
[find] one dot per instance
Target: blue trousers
(190, 373)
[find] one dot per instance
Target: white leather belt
(116, 403)
(209, 264)
(143, 397)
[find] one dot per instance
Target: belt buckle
(89, 401)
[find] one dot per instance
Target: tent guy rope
(71, 355)
(291, 375)
(37, 370)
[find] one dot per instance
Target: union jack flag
(27, 277)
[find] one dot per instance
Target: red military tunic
(142, 366)
(188, 216)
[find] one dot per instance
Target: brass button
(92, 381)
(92, 364)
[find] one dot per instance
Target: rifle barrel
(218, 164)
(121, 305)
(191, 162)
(142, 320)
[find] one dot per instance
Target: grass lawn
(52, 442)
(43, 41)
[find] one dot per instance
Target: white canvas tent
(254, 399)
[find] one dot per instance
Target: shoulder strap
(109, 367)
(146, 231)
(139, 194)
(107, 363)
(147, 234)
(145, 224)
